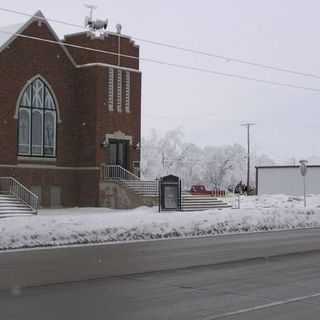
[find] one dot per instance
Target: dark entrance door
(118, 153)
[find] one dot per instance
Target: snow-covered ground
(92, 225)
(279, 201)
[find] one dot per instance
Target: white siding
(287, 180)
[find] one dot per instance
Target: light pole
(303, 171)
(248, 125)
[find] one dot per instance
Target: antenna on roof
(91, 7)
(94, 25)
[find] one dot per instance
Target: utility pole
(163, 160)
(248, 125)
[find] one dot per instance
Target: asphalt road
(45, 266)
(286, 287)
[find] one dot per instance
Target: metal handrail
(145, 182)
(14, 187)
(117, 172)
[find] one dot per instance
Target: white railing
(14, 187)
(133, 182)
(143, 183)
(117, 172)
(142, 187)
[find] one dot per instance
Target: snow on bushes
(94, 225)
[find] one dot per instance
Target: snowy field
(93, 225)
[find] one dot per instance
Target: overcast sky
(210, 108)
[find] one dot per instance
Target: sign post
(303, 171)
(170, 193)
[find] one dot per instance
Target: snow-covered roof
(7, 33)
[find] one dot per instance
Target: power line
(189, 117)
(60, 43)
(185, 49)
(230, 59)
(175, 65)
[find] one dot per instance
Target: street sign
(303, 171)
(303, 167)
(170, 193)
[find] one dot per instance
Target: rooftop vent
(119, 28)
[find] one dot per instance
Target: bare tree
(214, 166)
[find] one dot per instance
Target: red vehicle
(201, 190)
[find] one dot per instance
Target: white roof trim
(123, 36)
(43, 166)
(106, 65)
(38, 16)
(118, 135)
(6, 33)
(106, 34)
(24, 26)
(11, 33)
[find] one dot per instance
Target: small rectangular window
(55, 196)
(119, 91)
(110, 89)
(127, 92)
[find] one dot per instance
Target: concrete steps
(9, 204)
(200, 203)
(149, 189)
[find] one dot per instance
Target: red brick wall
(88, 182)
(79, 187)
(46, 178)
(82, 98)
(86, 101)
(110, 43)
(20, 62)
(112, 121)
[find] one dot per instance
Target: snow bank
(279, 201)
(93, 225)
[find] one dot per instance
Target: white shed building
(286, 180)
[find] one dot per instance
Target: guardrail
(14, 187)
(117, 172)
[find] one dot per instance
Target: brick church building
(66, 111)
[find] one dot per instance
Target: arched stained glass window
(37, 118)
(24, 131)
